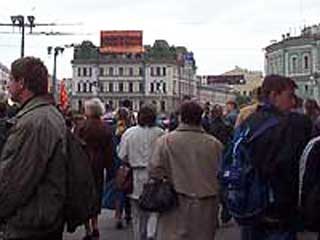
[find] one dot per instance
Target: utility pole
(19, 21)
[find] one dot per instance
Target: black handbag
(158, 195)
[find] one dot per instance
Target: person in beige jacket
(188, 157)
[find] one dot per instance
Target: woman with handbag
(188, 159)
(136, 148)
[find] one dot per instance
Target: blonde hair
(94, 107)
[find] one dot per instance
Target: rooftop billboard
(121, 42)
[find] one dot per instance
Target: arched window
(79, 87)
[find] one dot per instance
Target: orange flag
(64, 99)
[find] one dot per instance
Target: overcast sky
(222, 34)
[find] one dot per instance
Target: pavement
(108, 231)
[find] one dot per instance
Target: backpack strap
(270, 122)
(303, 163)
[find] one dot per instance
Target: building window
(151, 87)
(80, 107)
(164, 71)
(121, 71)
(163, 106)
(85, 72)
(102, 87)
(79, 72)
(152, 71)
(306, 62)
(140, 72)
(158, 71)
(110, 87)
(141, 88)
(164, 87)
(90, 72)
(120, 87)
(131, 87)
(90, 87)
(79, 87)
(111, 71)
(84, 87)
(294, 64)
(131, 71)
(158, 88)
(101, 71)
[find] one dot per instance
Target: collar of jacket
(32, 104)
(189, 128)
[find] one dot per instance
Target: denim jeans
(252, 233)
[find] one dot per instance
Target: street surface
(108, 231)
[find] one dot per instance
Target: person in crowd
(223, 132)
(98, 139)
(281, 146)
(136, 147)
(173, 121)
(231, 112)
(218, 127)
(108, 117)
(246, 111)
(206, 118)
(312, 109)
(309, 189)
(188, 158)
(128, 105)
(32, 165)
(122, 201)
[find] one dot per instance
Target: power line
(20, 22)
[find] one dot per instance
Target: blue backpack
(245, 193)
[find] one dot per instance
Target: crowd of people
(274, 142)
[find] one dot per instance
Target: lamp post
(57, 50)
(19, 21)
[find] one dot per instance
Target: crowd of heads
(31, 74)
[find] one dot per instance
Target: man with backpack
(262, 176)
(32, 164)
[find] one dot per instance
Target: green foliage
(86, 51)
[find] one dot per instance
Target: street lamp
(19, 21)
(56, 51)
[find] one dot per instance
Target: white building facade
(148, 77)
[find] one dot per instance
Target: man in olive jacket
(32, 163)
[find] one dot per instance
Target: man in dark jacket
(276, 156)
(32, 163)
(218, 127)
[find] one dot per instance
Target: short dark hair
(34, 73)
(276, 83)
(217, 111)
(191, 113)
(147, 116)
